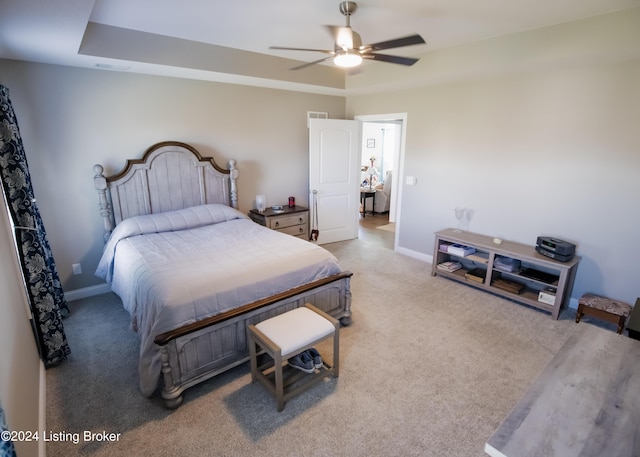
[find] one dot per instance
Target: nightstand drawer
(290, 220)
(295, 230)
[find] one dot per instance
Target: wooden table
(585, 403)
(364, 194)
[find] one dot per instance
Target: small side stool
(286, 336)
(603, 308)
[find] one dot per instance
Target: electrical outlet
(77, 269)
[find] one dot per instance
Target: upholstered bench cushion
(605, 304)
(295, 329)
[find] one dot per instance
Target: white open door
(334, 175)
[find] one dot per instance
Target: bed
(193, 272)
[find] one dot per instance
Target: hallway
(375, 228)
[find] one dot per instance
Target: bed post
(171, 394)
(233, 175)
(100, 183)
(346, 318)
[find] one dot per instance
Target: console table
(584, 404)
(539, 281)
(633, 324)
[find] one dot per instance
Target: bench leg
(279, 380)
(336, 352)
(579, 313)
(252, 357)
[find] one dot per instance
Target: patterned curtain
(6, 445)
(42, 283)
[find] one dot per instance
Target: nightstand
(290, 220)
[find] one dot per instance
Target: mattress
(172, 269)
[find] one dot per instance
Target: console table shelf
(537, 281)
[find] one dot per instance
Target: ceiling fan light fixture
(347, 59)
(348, 50)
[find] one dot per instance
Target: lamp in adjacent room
(373, 171)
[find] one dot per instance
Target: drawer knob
(301, 230)
(277, 224)
(301, 220)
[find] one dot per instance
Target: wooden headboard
(169, 176)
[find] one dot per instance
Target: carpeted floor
(428, 367)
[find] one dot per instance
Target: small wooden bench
(285, 336)
(603, 308)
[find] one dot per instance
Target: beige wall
(19, 364)
(536, 132)
(72, 118)
(543, 139)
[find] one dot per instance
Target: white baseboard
(42, 410)
(85, 292)
(415, 254)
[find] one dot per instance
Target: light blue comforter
(175, 268)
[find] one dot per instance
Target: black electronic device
(556, 249)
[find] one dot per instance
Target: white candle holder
(261, 203)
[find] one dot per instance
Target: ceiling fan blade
(326, 51)
(391, 59)
(308, 64)
(396, 43)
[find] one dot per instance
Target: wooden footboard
(199, 351)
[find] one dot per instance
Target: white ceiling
(52, 31)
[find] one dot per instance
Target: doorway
(384, 127)
(380, 157)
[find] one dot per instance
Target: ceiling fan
(348, 49)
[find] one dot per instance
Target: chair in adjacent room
(383, 196)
